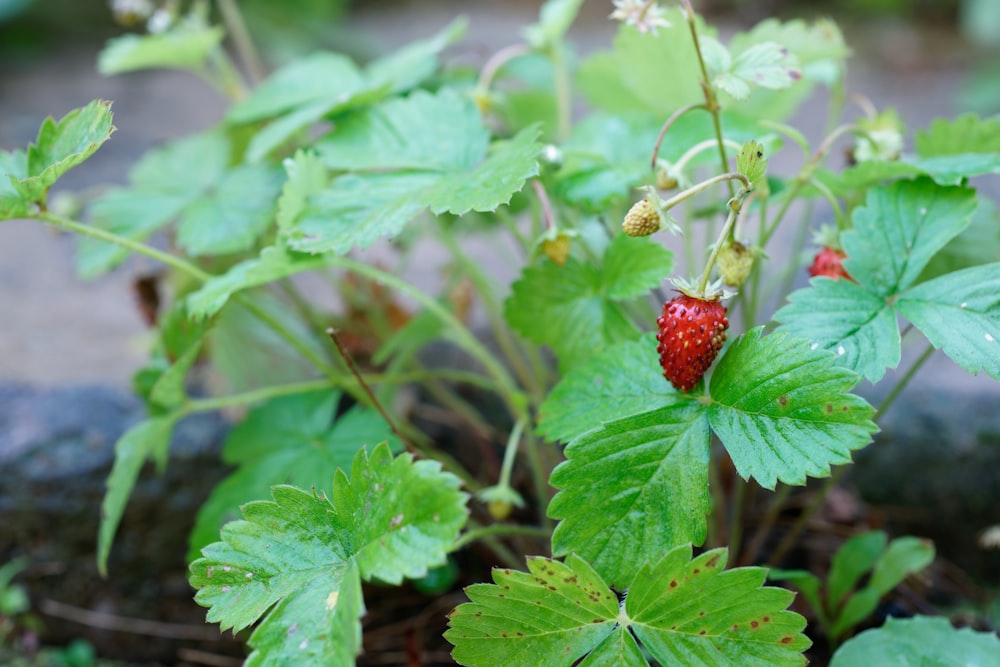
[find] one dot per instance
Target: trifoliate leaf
(290, 440)
(145, 439)
(751, 163)
(183, 47)
(579, 300)
(551, 615)
(923, 641)
(618, 80)
(960, 315)
(632, 490)
(900, 228)
(554, 19)
(765, 64)
(841, 316)
(694, 612)
(781, 409)
(292, 561)
(62, 145)
(625, 379)
(424, 151)
(682, 611)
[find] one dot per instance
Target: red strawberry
(692, 331)
(829, 262)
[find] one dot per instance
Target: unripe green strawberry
(557, 249)
(692, 330)
(664, 181)
(735, 261)
(642, 219)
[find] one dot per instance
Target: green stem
(498, 529)
(564, 102)
(510, 453)
(539, 476)
(704, 185)
(498, 60)
(127, 243)
(807, 514)
(256, 395)
(734, 211)
(666, 126)
(245, 48)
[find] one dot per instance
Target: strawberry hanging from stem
(692, 330)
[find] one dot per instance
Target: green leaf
(618, 80)
(554, 20)
(232, 214)
(808, 584)
(249, 354)
(62, 145)
(894, 236)
(841, 316)
(183, 47)
(394, 141)
(694, 612)
(579, 300)
(966, 134)
(625, 379)
(632, 490)
(751, 163)
(13, 167)
(145, 439)
(782, 411)
(923, 642)
(407, 67)
(765, 64)
(845, 183)
(900, 228)
(978, 244)
(289, 440)
(274, 263)
(293, 560)
(851, 562)
(551, 615)
(960, 314)
(182, 340)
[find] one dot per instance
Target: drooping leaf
(145, 439)
(553, 614)
(782, 409)
(694, 612)
(289, 440)
(923, 641)
(624, 379)
(960, 314)
(60, 146)
(292, 561)
(632, 490)
(579, 300)
(841, 316)
(183, 47)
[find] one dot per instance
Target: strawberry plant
(627, 455)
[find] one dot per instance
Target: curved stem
(245, 48)
(510, 453)
(127, 243)
(704, 185)
(666, 126)
(498, 529)
(543, 199)
(498, 60)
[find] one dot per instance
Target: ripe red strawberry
(692, 332)
(829, 262)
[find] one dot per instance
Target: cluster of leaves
(325, 157)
